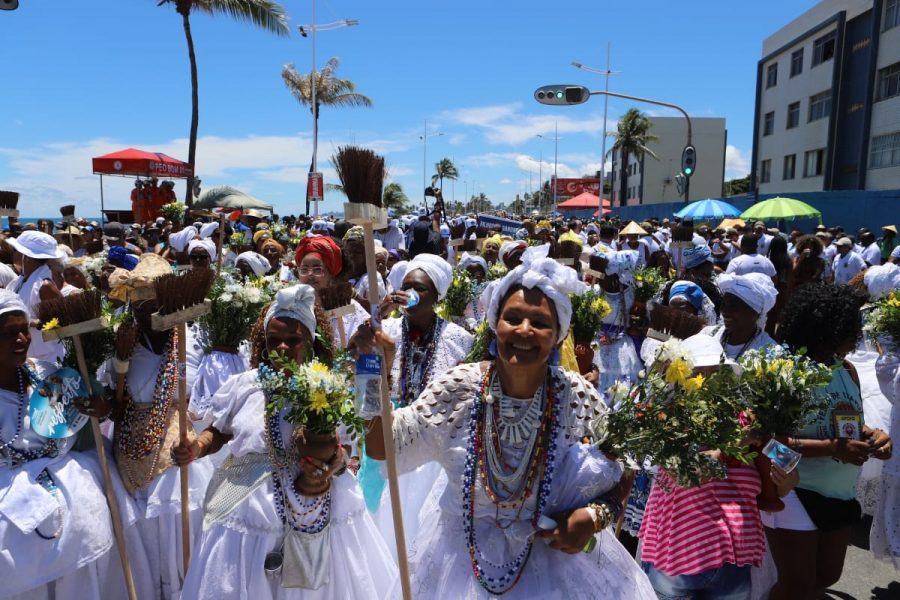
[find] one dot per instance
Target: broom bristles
(361, 172)
(337, 295)
(72, 309)
(181, 291)
(674, 322)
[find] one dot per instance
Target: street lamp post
(305, 30)
(555, 155)
(424, 138)
(541, 179)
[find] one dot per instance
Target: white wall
(817, 14)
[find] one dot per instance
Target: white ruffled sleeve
(581, 404)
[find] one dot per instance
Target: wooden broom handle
(118, 529)
(182, 431)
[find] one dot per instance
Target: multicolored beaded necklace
(416, 361)
(142, 430)
(14, 456)
(541, 461)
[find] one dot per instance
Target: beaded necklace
(14, 456)
(417, 365)
(542, 460)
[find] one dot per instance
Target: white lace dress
(616, 358)
(436, 428)
(229, 562)
(452, 346)
(885, 534)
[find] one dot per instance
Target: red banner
(573, 187)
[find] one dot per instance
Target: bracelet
(601, 515)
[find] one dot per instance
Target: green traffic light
(559, 95)
(688, 171)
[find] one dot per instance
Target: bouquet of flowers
(496, 271)
(647, 282)
(459, 294)
(315, 398)
(481, 344)
(235, 308)
(674, 417)
(780, 387)
(173, 211)
(588, 311)
(884, 319)
(93, 265)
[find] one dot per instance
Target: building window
(790, 167)
(823, 48)
(771, 75)
(891, 14)
(885, 151)
(769, 123)
(793, 115)
(888, 82)
(765, 171)
(814, 163)
(796, 62)
(820, 106)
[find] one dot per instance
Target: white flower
(226, 297)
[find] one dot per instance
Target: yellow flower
(693, 384)
(51, 324)
(638, 278)
(677, 372)
(318, 401)
(318, 367)
(601, 307)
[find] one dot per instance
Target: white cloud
(505, 181)
(736, 164)
(507, 124)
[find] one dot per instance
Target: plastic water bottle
(411, 301)
(368, 385)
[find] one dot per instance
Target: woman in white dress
(54, 528)
(524, 495)
(260, 503)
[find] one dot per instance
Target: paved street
(864, 577)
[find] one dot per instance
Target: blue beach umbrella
(708, 210)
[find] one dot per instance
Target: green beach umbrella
(780, 209)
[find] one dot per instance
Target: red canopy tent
(582, 201)
(132, 162)
(606, 211)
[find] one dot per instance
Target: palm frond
(265, 14)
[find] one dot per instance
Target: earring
(492, 348)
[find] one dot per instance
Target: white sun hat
(37, 245)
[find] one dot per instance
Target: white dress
(229, 562)
(351, 323)
(885, 534)
(616, 358)
(436, 428)
(68, 566)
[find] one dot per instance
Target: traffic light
(688, 160)
(9, 4)
(562, 94)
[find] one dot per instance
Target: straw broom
(337, 302)
(182, 299)
(362, 174)
(80, 314)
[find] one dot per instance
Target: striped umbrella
(708, 210)
(780, 208)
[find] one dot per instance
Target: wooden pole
(182, 430)
(118, 528)
(387, 429)
(221, 245)
(342, 331)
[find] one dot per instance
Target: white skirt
(415, 488)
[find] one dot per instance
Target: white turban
(206, 244)
(472, 259)
(754, 289)
(882, 279)
(207, 229)
(437, 270)
(295, 302)
(547, 275)
(10, 302)
(508, 247)
(256, 261)
(180, 239)
(398, 272)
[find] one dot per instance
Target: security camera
(9, 4)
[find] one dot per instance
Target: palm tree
(330, 91)
(394, 196)
(263, 13)
(445, 169)
(632, 137)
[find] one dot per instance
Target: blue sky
(81, 79)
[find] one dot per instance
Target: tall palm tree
(394, 196)
(632, 137)
(263, 13)
(330, 91)
(445, 169)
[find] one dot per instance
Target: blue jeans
(728, 582)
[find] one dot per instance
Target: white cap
(37, 245)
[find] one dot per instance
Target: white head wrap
(10, 302)
(507, 247)
(179, 240)
(207, 229)
(206, 244)
(472, 259)
(437, 270)
(754, 289)
(295, 302)
(380, 250)
(707, 351)
(547, 275)
(882, 279)
(622, 263)
(398, 272)
(257, 262)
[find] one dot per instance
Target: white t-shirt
(751, 263)
(872, 254)
(847, 266)
(762, 246)
(895, 253)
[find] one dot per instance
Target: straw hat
(633, 229)
(137, 284)
(891, 228)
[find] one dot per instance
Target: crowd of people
(504, 487)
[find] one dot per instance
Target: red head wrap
(325, 248)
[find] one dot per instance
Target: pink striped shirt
(691, 530)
